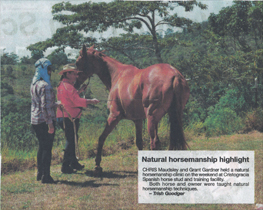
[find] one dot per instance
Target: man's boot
(75, 165)
(66, 169)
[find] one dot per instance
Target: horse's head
(89, 62)
(84, 66)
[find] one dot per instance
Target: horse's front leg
(138, 126)
(111, 123)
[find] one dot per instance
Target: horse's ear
(84, 51)
(91, 48)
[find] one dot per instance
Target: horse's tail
(180, 97)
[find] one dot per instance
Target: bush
(197, 128)
(234, 100)
(6, 89)
(23, 68)
(9, 70)
(254, 120)
(222, 121)
(16, 131)
(194, 112)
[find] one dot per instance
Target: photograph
(123, 104)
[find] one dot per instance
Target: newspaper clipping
(169, 99)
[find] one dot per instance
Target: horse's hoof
(97, 172)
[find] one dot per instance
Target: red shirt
(68, 95)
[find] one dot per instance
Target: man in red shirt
(71, 110)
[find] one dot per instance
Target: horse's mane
(103, 63)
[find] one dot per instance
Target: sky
(25, 22)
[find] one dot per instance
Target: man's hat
(68, 68)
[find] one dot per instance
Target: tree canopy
(9, 58)
(238, 21)
(99, 17)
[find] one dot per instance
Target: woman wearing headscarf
(43, 116)
(70, 113)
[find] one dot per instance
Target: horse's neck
(113, 65)
(105, 78)
(111, 72)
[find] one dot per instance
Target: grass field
(118, 188)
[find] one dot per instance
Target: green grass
(21, 188)
(233, 142)
(118, 188)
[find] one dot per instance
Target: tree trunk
(155, 41)
(157, 50)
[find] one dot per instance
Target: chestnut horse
(136, 94)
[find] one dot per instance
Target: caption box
(196, 177)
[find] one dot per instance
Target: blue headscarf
(41, 70)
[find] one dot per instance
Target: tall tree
(239, 20)
(242, 22)
(99, 17)
(255, 17)
(57, 59)
(37, 54)
(9, 58)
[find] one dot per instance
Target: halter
(84, 92)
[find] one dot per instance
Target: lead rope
(74, 127)
(84, 92)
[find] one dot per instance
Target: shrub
(197, 128)
(23, 68)
(194, 112)
(9, 70)
(222, 121)
(234, 100)
(16, 131)
(254, 120)
(6, 89)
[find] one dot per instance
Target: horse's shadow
(113, 174)
(86, 184)
(92, 183)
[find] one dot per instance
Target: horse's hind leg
(138, 126)
(152, 126)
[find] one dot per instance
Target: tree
(237, 21)
(255, 17)
(98, 17)
(27, 60)
(37, 54)
(242, 22)
(57, 59)
(9, 58)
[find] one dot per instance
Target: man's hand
(58, 104)
(92, 101)
(95, 101)
(51, 128)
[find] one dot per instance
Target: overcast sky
(26, 22)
